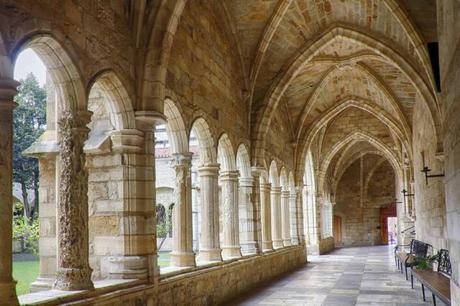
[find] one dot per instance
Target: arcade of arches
(292, 127)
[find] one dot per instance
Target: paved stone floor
(349, 276)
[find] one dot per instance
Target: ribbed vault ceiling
(335, 68)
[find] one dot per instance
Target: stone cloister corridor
(348, 276)
(192, 151)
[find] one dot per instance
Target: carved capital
(146, 120)
(246, 181)
(275, 190)
(127, 141)
(231, 175)
(181, 160)
(8, 89)
(265, 187)
(257, 171)
(209, 170)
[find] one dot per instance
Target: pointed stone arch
(205, 141)
(359, 136)
(308, 135)
(225, 153)
(263, 116)
(273, 174)
(64, 74)
(284, 179)
(116, 98)
(243, 163)
(175, 127)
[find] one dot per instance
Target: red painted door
(385, 213)
(337, 231)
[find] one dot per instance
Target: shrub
(27, 233)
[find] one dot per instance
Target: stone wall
(212, 285)
(326, 245)
(360, 197)
(449, 37)
(429, 198)
(204, 75)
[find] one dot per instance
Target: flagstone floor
(348, 276)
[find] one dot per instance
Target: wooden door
(337, 231)
(385, 213)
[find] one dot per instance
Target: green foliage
(27, 233)
(29, 122)
(164, 221)
(425, 263)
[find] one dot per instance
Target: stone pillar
(47, 215)
(145, 189)
(7, 284)
(247, 215)
(275, 195)
(73, 272)
(285, 216)
(121, 193)
(265, 212)
(294, 215)
(182, 254)
(209, 191)
(300, 215)
(256, 206)
(230, 218)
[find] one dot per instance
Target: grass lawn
(25, 272)
(163, 259)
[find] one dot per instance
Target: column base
(70, 279)
(249, 248)
(231, 251)
(8, 295)
(278, 244)
(287, 242)
(125, 267)
(267, 246)
(42, 284)
(313, 249)
(295, 241)
(183, 259)
(209, 255)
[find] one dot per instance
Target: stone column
(275, 195)
(256, 206)
(285, 216)
(248, 240)
(300, 215)
(182, 254)
(48, 168)
(7, 284)
(265, 212)
(230, 218)
(294, 213)
(73, 272)
(145, 122)
(209, 191)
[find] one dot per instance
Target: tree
(29, 122)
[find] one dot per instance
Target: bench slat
(436, 282)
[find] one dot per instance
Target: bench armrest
(401, 245)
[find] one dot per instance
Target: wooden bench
(438, 282)
(406, 259)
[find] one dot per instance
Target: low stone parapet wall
(211, 285)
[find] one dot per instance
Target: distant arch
(175, 127)
(205, 141)
(273, 174)
(225, 153)
(119, 104)
(243, 163)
